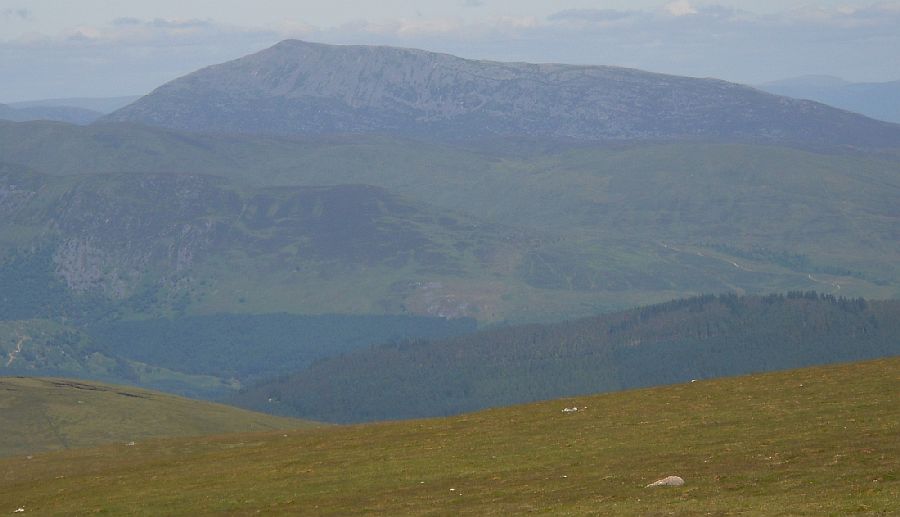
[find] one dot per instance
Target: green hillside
(201, 356)
(43, 414)
(553, 230)
(159, 244)
(819, 441)
(698, 338)
(49, 348)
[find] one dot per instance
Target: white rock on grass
(668, 481)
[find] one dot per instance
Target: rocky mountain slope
(297, 87)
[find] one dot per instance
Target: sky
(102, 48)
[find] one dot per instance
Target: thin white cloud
(676, 14)
(126, 22)
(582, 18)
(875, 15)
(680, 8)
(125, 32)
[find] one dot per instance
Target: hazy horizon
(95, 49)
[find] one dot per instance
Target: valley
(156, 256)
(395, 281)
(679, 341)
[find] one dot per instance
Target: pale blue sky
(55, 15)
(60, 48)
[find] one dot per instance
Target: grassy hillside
(49, 348)
(698, 338)
(810, 442)
(582, 228)
(42, 414)
(161, 243)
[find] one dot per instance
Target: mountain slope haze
(297, 87)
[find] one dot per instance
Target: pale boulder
(668, 481)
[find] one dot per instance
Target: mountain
(876, 100)
(297, 87)
(698, 338)
(105, 246)
(45, 414)
(68, 114)
(820, 441)
(102, 105)
(563, 230)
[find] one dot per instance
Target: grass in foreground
(822, 441)
(39, 414)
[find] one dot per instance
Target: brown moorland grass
(44, 414)
(818, 441)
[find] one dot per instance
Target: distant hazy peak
(101, 104)
(829, 81)
(880, 100)
(297, 87)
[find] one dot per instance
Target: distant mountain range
(876, 100)
(72, 115)
(297, 87)
(80, 111)
(99, 104)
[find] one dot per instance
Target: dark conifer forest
(679, 341)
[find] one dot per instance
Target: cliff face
(304, 88)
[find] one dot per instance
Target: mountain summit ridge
(296, 87)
